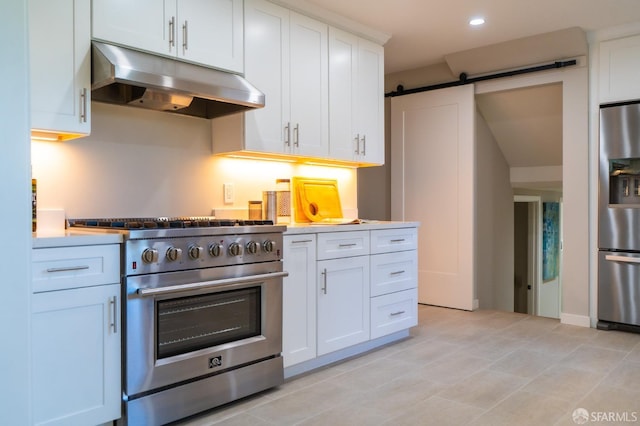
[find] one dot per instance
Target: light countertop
(69, 238)
(308, 228)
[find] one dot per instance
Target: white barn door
(432, 181)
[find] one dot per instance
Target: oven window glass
(190, 323)
(624, 181)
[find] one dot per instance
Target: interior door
(432, 181)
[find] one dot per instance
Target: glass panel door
(190, 323)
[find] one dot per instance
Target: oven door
(182, 326)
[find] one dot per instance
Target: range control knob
(173, 254)
(195, 252)
(235, 249)
(269, 246)
(252, 247)
(150, 255)
(215, 249)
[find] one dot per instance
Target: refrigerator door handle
(626, 259)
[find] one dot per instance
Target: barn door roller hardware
(400, 90)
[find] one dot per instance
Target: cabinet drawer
(333, 245)
(389, 240)
(391, 272)
(393, 312)
(72, 267)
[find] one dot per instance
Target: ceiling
(424, 31)
(526, 123)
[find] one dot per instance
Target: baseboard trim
(572, 319)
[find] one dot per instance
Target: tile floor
(462, 368)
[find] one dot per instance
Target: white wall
(149, 163)
(15, 193)
(494, 223)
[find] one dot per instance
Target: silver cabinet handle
(398, 240)
(185, 33)
(364, 144)
(347, 245)
(397, 273)
(172, 33)
(210, 284)
(287, 134)
(625, 259)
(113, 302)
(68, 268)
(324, 281)
(300, 241)
(393, 314)
(357, 143)
(83, 103)
(296, 135)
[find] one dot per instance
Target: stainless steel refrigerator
(619, 217)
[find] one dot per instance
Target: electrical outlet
(227, 190)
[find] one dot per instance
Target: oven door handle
(210, 284)
(625, 259)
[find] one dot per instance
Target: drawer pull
(397, 273)
(398, 240)
(68, 268)
(347, 245)
(113, 301)
(393, 314)
(626, 259)
(300, 241)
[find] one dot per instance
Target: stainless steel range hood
(128, 77)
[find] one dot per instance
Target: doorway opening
(526, 253)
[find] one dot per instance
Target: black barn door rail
(400, 90)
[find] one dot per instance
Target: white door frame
(535, 262)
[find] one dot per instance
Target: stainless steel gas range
(202, 313)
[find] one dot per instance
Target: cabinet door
(142, 24)
(356, 98)
(309, 86)
(343, 303)
(59, 37)
(343, 75)
(299, 299)
(267, 68)
(210, 32)
(76, 356)
(370, 107)
(619, 64)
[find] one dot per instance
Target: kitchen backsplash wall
(148, 163)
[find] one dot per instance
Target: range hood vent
(128, 77)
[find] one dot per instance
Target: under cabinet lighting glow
(476, 21)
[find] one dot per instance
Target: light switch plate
(227, 190)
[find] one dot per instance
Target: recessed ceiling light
(476, 21)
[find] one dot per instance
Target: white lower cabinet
(344, 290)
(394, 280)
(393, 312)
(75, 333)
(343, 303)
(299, 299)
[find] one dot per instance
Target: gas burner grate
(164, 222)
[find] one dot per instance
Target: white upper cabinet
(286, 59)
(60, 41)
(209, 32)
(309, 91)
(619, 65)
(356, 96)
